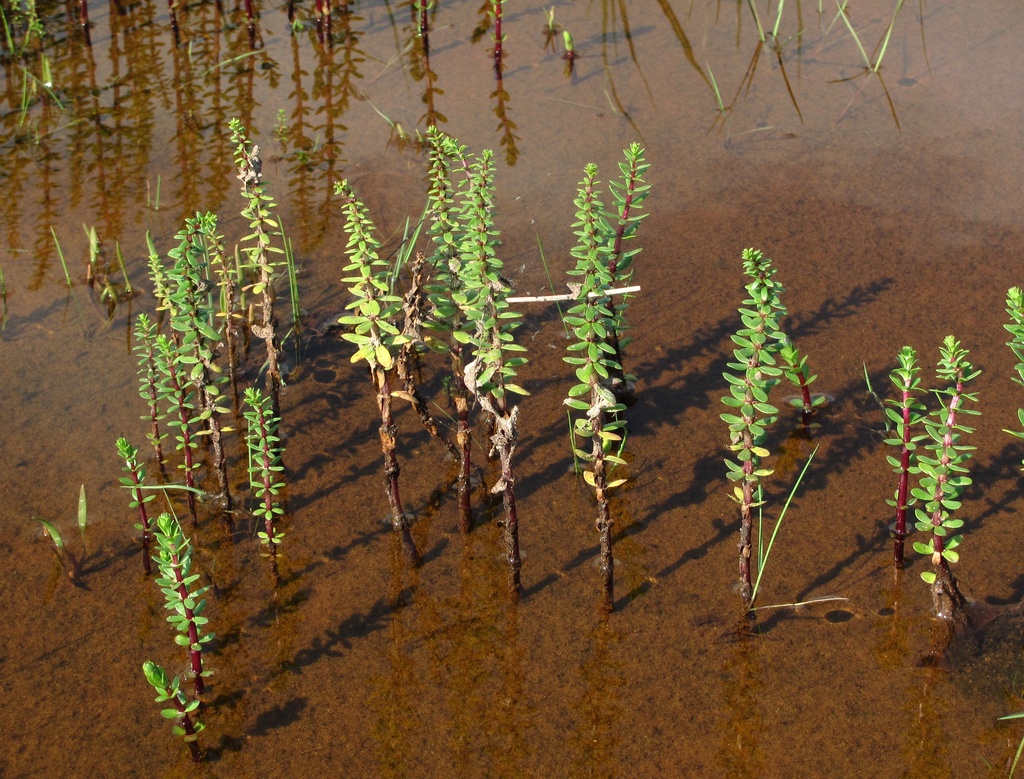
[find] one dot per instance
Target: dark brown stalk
(504, 438)
(604, 517)
(504, 445)
(464, 440)
(746, 525)
(412, 308)
(388, 435)
(250, 174)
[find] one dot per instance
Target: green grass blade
(888, 33)
(778, 524)
(60, 253)
(551, 286)
(856, 39)
(83, 518)
(52, 532)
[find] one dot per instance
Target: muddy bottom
(889, 202)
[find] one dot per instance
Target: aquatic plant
(265, 451)
(795, 369)
(173, 389)
(193, 316)
(413, 305)
(753, 374)
(551, 29)
(944, 477)
(69, 561)
(373, 311)
(60, 256)
(764, 551)
(99, 273)
(149, 380)
(907, 413)
(259, 210)
(618, 229)
(489, 334)
(1015, 308)
(446, 316)
(182, 710)
(174, 559)
(570, 50)
(591, 320)
(134, 482)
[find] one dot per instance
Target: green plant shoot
(174, 559)
(592, 319)
(751, 377)
(265, 452)
(944, 477)
(371, 317)
(181, 709)
(906, 415)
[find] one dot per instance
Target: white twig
(570, 296)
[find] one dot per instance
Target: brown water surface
(891, 205)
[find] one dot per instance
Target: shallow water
(892, 220)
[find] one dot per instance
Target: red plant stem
(620, 230)
(497, 36)
(388, 434)
(137, 492)
(84, 6)
(250, 15)
(900, 533)
(193, 745)
(188, 726)
(424, 22)
(808, 409)
(186, 437)
(195, 655)
(154, 408)
(746, 525)
(945, 579)
(174, 23)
